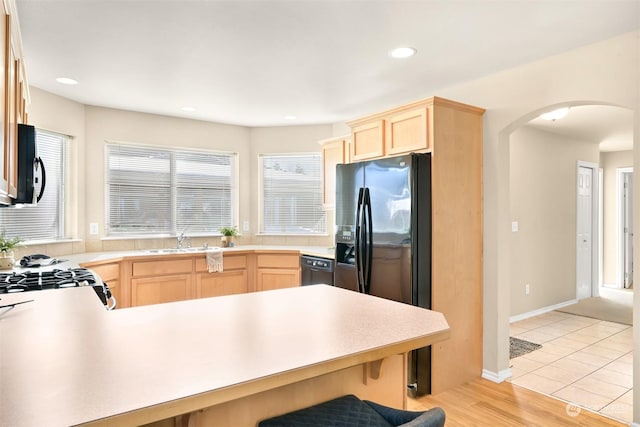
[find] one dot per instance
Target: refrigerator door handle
(358, 243)
(368, 241)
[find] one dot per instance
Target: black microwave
(31, 172)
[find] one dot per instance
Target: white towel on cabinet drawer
(214, 261)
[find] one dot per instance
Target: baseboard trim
(497, 377)
(540, 311)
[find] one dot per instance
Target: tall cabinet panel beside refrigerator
(383, 237)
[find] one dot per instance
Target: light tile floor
(585, 361)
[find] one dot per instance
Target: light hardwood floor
(484, 403)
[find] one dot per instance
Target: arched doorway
(544, 168)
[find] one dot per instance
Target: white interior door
(627, 232)
(584, 241)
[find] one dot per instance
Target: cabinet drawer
(228, 263)
(107, 272)
(155, 268)
(278, 261)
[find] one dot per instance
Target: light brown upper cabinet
(11, 123)
(399, 131)
(4, 41)
(14, 99)
(335, 151)
(367, 140)
(406, 131)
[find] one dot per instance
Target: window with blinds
(44, 221)
(152, 190)
(292, 194)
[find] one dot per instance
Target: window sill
(293, 234)
(154, 236)
(49, 242)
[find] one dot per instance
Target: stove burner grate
(40, 280)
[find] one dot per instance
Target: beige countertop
(73, 260)
(64, 360)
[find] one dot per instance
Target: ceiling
(610, 127)
(324, 61)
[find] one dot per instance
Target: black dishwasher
(316, 270)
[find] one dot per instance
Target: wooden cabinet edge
(325, 141)
(433, 101)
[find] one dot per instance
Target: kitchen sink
(176, 250)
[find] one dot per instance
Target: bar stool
(349, 411)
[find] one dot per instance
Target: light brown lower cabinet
(277, 278)
(233, 280)
(160, 289)
(277, 271)
(154, 280)
(219, 284)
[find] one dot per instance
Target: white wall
(602, 73)
(56, 114)
(543, 169)
(110, 125)
(90, 127)
(610, 162)
(289, 139)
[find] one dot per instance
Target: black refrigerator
(383, 238)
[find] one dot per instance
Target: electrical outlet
(245, 226)
(514, 226)
(93, 228)
(527, 289)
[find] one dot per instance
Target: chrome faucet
(180, 239)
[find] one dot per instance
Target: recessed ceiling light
(188, 109)
(66, 81)
(555, 114)
(403, 52)
(290, 117)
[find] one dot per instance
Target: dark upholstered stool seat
(349, 411)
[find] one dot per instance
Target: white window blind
(44, 221)
(292, 194)
(151, 190)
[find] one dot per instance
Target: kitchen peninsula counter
(64, 360)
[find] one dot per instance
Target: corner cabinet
(452, 133)
(335, 151)
(14, 97)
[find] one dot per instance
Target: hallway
(584, 361)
